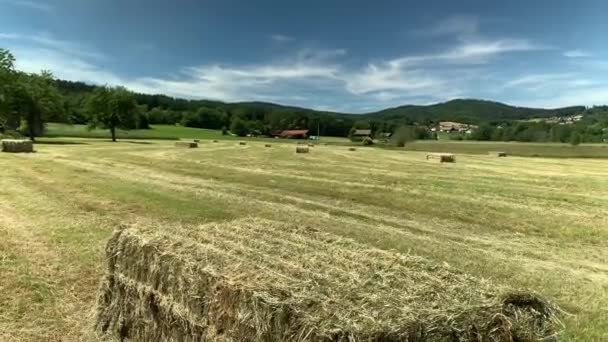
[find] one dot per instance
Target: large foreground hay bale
(17, 146)
(186, 144)
(302, 149)
(441, 157)
(260, 280)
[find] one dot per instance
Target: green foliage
(483, 132)
(111, 108)
(403, 135)
(239, 127)
(204, 118)
(575, 139)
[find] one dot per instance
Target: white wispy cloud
(576, 54)
(323, 77)
(35, 5)
(48, 41)
(281, 38)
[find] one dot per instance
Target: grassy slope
(528, 222)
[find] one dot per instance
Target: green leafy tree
(483, 132)
(403, 135)
(239, 127)
(111, 108)
(7, 81)
(575, 139)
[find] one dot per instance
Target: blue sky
(354, 56)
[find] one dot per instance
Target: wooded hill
(462, 110)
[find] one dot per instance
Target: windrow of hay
(260, 280)
(17, 145)
(302, 149)
(186, 144)
(441, 157)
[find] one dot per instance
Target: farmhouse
(360, 134)
(449, 126)
(294, 134)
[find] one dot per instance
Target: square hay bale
(441, 157)
(302, 149)
(261, 280)
(215, 141)
(186, 144)
(498, 154)
(352, 149)
(311, 145)
(267, 145)
(17, 146)
(196, 140)
(242, 143)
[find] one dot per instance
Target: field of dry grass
(534, 223)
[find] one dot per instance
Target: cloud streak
(280, 38)
(576, 54)
(34, 5)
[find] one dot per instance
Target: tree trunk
(113, 132)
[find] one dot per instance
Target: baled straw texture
(302, 149)
(17, 146)
(442, 157)
(260, 280)
(186, 144)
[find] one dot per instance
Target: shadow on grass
(59, 142)
(137, 142)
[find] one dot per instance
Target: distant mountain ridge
(471, 111)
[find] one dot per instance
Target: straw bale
(261, 280)
(441, 157)
(302, 149)
(17, 146)
(186, 144)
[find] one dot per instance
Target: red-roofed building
(294, 134)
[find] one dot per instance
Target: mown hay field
(526, 223)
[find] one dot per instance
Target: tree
(483, 132)
(7, 80)
(37, 102)
(403, 135)
(575, 139)
(239, 127)
(111, 108)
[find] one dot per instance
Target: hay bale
(352, 149)
(267, 145)
(17, 146)
(242, 143)
(302, 149)
(215, 141)
(441, 157)
(196, 140)
(261, 280)
(311, 145)
(499, 154)
(186, 144)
